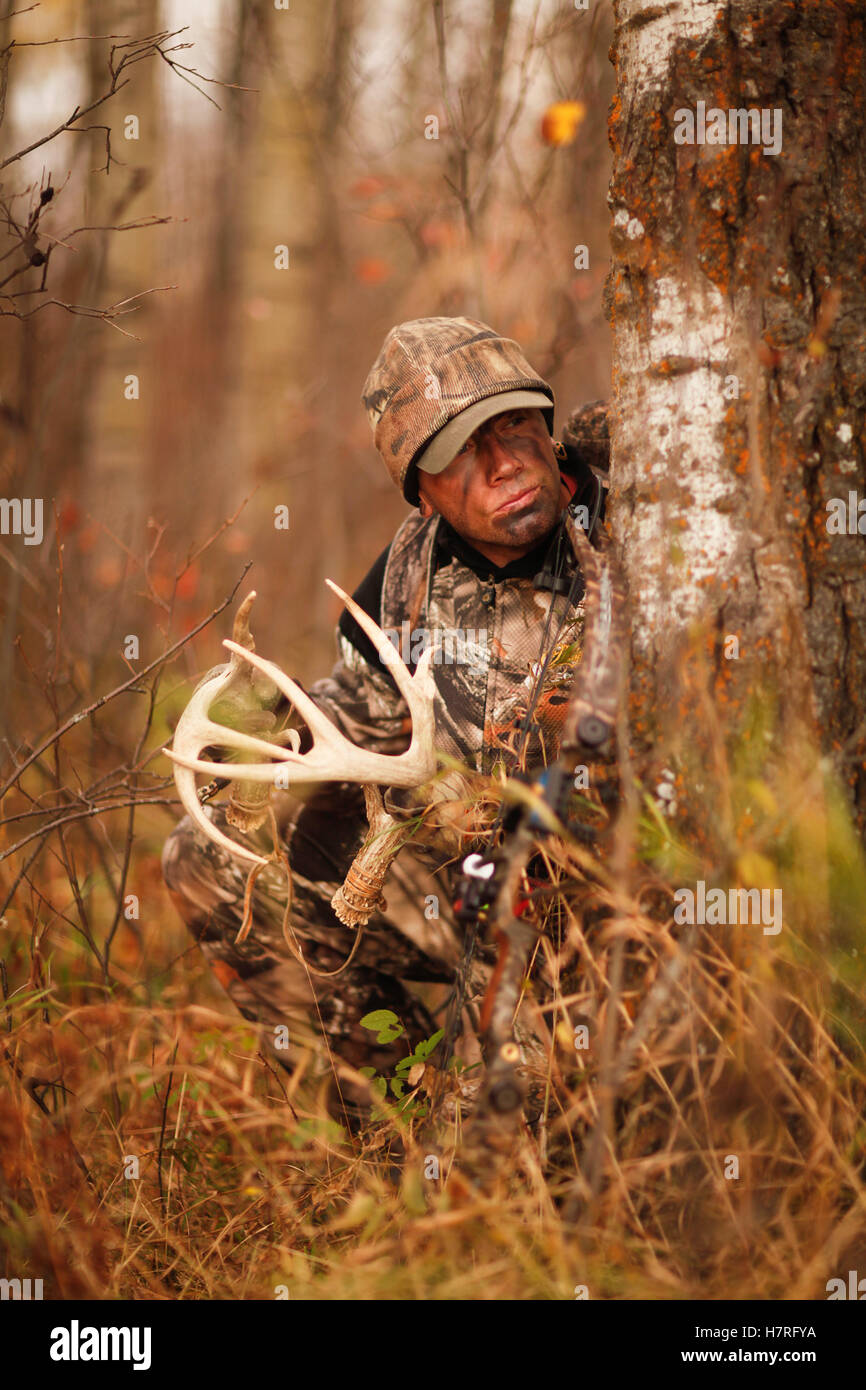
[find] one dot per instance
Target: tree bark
(737, 296)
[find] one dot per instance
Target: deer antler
(332, 758)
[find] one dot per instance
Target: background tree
(737, 296)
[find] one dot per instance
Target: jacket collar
(451, 546)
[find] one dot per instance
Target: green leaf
(378, 1019)
(384, 1023)
(425, 1048)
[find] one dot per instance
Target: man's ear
(425, 507)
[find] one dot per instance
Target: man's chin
(526, 527)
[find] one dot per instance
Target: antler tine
(242, 772)
(407, 769)
(193, 732)
(241, 627)
(223, 735)
(319, 723)
(409, 686)
(185, 783)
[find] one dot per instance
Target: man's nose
(500, 459)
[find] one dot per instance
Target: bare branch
(45, 830)
(68, 38)
(64, 126)
(150, 221)
(87, 311)
(131, 52)
(120, 689)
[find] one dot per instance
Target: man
(484, 570)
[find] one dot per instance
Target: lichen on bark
(737, 297)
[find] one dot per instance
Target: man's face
(503, 491)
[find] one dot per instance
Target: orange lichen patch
(714, 253)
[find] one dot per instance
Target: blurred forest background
(160, 377)
(167, 383)
(250, 376)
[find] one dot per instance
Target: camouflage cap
(428, 373)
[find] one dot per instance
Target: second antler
(332, 757)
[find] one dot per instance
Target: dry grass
(707, 1142)
(705, 1045)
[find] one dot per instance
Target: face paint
(502, 493)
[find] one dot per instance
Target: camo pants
(263, 975)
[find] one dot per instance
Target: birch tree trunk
(737, 297)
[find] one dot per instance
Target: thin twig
(120, 689)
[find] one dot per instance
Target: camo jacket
(489, 627)
(427, 581)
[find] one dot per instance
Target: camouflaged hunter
(444, 395)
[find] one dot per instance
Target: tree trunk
(737, 296)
